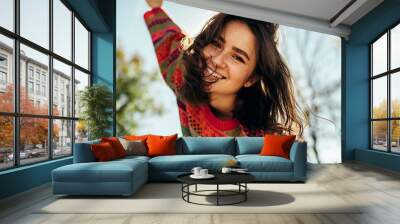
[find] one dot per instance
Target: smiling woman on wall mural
(230, 81)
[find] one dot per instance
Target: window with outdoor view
(44, 58)
(385, 94)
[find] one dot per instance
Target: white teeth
(211, 72)
(211, 76)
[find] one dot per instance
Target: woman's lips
(211, 76)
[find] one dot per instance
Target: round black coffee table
(238, 179)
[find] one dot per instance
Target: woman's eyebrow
(242, 52)
(238, 50)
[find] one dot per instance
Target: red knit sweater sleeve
(167, 40)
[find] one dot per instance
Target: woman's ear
(252, 79)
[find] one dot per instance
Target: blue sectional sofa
(125, 176)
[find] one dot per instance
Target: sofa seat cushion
(133, 158)
(111, 171)
(185, 163)
(257, 163)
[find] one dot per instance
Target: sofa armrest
(298, 155)
(83, 152)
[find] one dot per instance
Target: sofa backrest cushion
(249, 145)
(83, 153)
(206, 145)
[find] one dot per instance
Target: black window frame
(16, 114)
(388, 74)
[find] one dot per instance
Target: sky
(35, 27)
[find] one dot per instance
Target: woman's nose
(219, 59)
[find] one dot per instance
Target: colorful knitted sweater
(168, 41)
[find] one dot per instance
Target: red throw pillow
(161, 145)
(277, 145)
(103, 151)
(116, 145)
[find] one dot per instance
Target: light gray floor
(378, 188)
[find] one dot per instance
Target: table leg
(217, 194)
(188, 189)
(196, 188)
(245, 193)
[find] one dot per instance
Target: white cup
(203, 172)
(196, 171)
(226, 170)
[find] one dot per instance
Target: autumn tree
(379, 128)
(32, 130)
(133, 98)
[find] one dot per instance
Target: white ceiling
(314, 15)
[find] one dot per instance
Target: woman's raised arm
(167, 40)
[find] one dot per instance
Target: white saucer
(208, 176)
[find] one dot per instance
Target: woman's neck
(223, 105)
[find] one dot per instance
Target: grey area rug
(166, 198)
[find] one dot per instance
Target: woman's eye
(216, 44)
(238, 58)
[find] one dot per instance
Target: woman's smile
(211, 76)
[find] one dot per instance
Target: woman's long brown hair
(269, 104)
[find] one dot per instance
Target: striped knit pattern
(168, 41)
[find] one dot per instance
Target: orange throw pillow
(161, 145)
(116, 145)
(103, 151)
(277, 145)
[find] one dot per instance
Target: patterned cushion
(134, 147)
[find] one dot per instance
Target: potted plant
(96, 103)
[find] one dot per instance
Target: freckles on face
(231, 59)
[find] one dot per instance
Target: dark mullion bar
(389, 106)
(89, 53)
(115, 72)
(73, 82)
(50, 87)
(39, 116)
(9, 113)
(386, 119)
(8, 33)
(16, 83)
(386, 73)
(82, 69)
(371, 89)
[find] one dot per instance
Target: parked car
(22, 155)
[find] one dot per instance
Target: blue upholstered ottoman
(119, 177)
